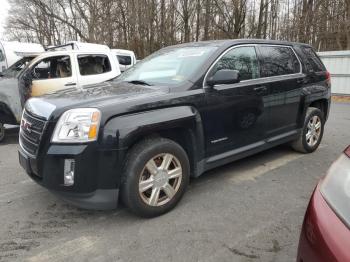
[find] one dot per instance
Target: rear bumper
(96, 176)
(324, 237)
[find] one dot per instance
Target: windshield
(168, 66)
(17, 67)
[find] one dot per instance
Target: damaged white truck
(60, 68)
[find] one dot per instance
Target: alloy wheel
(160, 179)
(313, 133)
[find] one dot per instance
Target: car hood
(107, 96)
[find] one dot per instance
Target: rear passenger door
(281, 72)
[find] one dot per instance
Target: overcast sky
(4, 7)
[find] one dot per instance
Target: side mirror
(224, 76)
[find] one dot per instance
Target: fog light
(69, 165)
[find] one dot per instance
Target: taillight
(347, 151)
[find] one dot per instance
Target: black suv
(178, 113)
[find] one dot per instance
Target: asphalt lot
(250, 210)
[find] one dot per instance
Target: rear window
(124, 59)
(312, 62)
(93, 64)
(278, 60)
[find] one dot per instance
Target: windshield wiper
(139, 82)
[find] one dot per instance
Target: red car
(325, 234)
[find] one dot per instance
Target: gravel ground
(250, 210)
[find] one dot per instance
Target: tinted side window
(93, 64)
(277, 60)
(243, 59)
(312, 61)
(52, 67)
(124, 59)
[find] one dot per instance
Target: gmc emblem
(25, 125)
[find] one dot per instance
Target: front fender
(121, 132)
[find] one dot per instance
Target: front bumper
(101, 199)
(324, 237)
(96, 178)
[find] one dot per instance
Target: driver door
(236, 115)
(52, 74)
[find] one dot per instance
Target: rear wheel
(155, 178)
(2, 132)
(312, 132)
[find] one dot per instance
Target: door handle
(70, 84)
(260, 89)
(301, 81)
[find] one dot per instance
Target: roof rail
(61, 47)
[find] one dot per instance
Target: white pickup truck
(68, 66)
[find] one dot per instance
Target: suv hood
(105, 96)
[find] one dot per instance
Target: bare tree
(147, 25)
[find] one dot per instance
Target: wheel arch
(181, 124)
(322, 104)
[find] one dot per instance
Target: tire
(145, 177)
(305, 143)
(2, 132)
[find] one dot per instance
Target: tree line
(148, 25)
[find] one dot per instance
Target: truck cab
(58, 70)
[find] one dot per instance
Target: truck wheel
(156, 175)
(311, 135)
(2, 132)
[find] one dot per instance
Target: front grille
(30, 133)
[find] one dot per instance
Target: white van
(11, 52)
(126, 58)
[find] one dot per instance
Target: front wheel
(311, 135)
(2, 132)
(155, 178)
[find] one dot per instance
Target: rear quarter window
(278, 60)
(124, 59)
(312, 62)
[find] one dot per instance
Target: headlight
(335, 187)
(77, 126)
